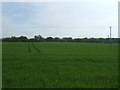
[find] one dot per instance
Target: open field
(60, 65)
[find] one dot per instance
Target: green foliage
(39, 38)
(60, 65)
(49, 39)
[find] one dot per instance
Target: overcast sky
(60, 19)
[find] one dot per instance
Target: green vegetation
(60, 65)
(39, 38)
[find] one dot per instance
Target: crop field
(60, 65)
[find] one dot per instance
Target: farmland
(60, 65)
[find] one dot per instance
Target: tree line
(39, 38)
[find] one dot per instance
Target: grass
(60, 65)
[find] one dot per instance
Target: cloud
(0, 20)
(105, 1)
(59, 19)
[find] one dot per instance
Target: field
(60, 65)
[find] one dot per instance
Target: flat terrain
(60, 65)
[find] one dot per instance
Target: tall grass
(60, 65)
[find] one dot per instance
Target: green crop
(60, 65)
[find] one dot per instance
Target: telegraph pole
(110, 32)
(110, 35)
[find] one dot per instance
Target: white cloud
(60, 0)
(0, 20)
(66, 19)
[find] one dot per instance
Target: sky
(60, 19)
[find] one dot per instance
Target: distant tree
(38, 38)
(92, 40)
(101, 39)
(85, 39)
(14, 39)
(49, 39)
(56, 39)
(23, 38)
(77, 39)
(7, 39)
(67, 39)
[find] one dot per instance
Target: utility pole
(110, 32)
(110, 35)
